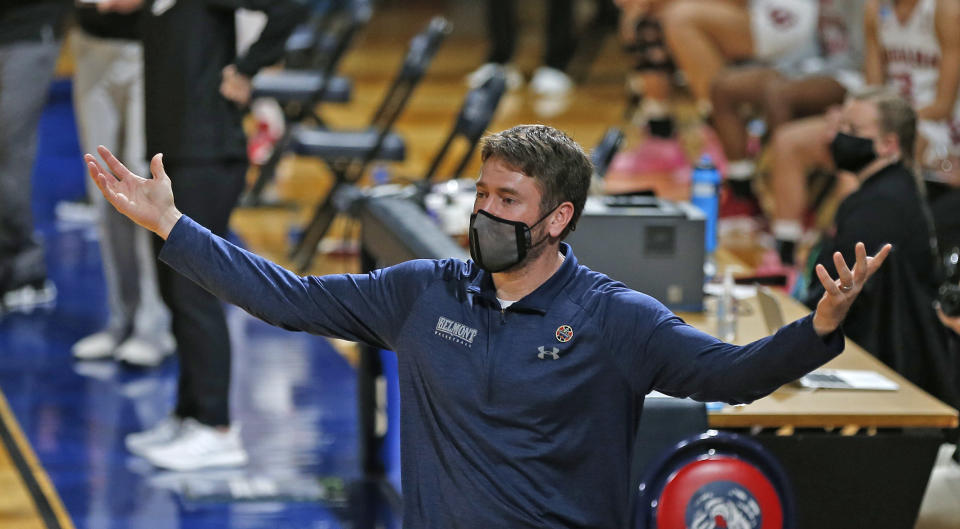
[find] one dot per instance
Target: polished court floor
(293, 394)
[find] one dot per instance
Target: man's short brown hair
(557, 163)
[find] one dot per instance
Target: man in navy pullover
(522, 373)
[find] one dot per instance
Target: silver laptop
(770, 308)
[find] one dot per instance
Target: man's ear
(561, 217)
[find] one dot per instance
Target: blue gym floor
(292, 393)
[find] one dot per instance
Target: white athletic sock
(787, 230)
(741, 169)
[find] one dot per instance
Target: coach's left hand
(841, 292)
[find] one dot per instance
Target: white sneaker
(485, 72)
(550, 82)
(160, 434)
(142, 353)
(199, 446)
(94, 347)
(28, 298)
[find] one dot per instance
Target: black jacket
(108, 25)
(32, 20)
(187, 43)
(893, 318)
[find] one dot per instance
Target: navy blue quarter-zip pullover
(519, 418)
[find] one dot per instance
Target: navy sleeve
(369, 308)
(674, 358)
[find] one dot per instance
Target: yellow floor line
(34, 482)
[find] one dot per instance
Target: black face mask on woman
(497, 244)
(852, 153)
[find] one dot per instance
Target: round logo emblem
(724, 504)
(719, 492)
(564, 333)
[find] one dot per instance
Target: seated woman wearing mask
(894, 318)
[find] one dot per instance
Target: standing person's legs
(26, 70)
(550, 79)
(207, 192)
(108, 98)
(560, 39)
(502, 30)
(198, 434)
(151, 339)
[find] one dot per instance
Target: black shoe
(23, 281)
(741, 188)
(40, 294)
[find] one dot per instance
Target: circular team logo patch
(564, 333)
(723, 504)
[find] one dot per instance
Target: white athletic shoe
(94, 347)
(483, 73)
(160, 434)
(139, 352)
(199, 446)
(550, 82)
(27, 298)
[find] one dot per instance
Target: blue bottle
(706, 196)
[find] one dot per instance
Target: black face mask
(497, 244)
(852, 153)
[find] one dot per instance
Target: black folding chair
(604, 152)
(325, 37)
(475, 114)
(300, 91)
(348, 153)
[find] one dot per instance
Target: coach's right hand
(147, 202)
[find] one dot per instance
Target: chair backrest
(323, 40)
(423, 47)
(665, 422)
(475, 114)
(715, 479)
(603, 153)
(420, 53)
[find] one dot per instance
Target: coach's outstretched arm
(359, 307)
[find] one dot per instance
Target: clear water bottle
(705, 194)
(726, 309)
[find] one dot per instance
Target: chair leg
(303, 253)
(266, 174)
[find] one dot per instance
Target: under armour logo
(553, 353)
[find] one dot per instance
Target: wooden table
(792, 406)
(855, 458)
